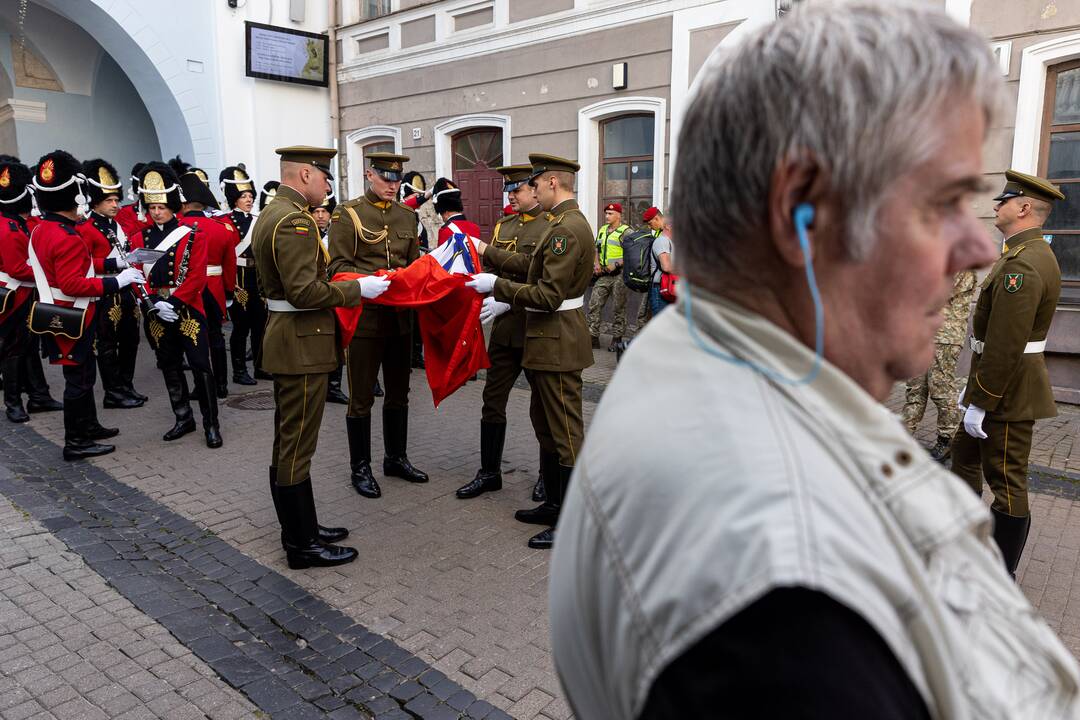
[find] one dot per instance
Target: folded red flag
(449, 321)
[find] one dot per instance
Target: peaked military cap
(514, 176)
(309, 155)
(542, 163)
(1021, 184)
(389, 165)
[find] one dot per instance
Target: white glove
(121, 263)
(373, 286)
(165, 311)
(228, 304)
(973, 420)
(482, 283)
(129, 276)
(960, 399)
(492, 309)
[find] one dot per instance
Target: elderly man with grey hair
(793, 552)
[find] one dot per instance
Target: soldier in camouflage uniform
(940, 383)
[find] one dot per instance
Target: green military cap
(1018, 183)
(308, 155)
(514, 176)
(551, 163)
(390, 165)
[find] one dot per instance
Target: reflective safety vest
(609, 246)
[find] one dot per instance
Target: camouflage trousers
(941, 386)
(608, 287)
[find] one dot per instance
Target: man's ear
(797, 181)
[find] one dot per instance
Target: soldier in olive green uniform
(300, 346)
(939, 383)
(557, 346)
(517, 233)
(1008, 387)
(371, 233)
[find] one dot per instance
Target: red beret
(650, 214)
(613, 206)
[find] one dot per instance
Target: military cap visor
(514, 176)
(309, 155)
(390, 166)
(1019, 184)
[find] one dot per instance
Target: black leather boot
(546, 513)
(93, 429)
(942, 449)
(1010, 534)
(208, 408)
(489, 477)
(544, 540)
(127, 374)
(77, 446)
(538, 494)
(239, 372)
(296, 508)
(180, 400)
(359, 432)
(325, 534)
(32, 376)
(333, 389)
(220, 374)
(112, 383)
(13, 403)
(395, 438)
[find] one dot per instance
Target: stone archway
(138, 48)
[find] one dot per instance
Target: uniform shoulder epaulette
(68, 229)
(504, 218)
(555, 219)
(403, 206)
(351, 203)
(1017, 251)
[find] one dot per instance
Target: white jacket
(702, 485)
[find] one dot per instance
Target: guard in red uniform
(248, 310)
(448, 204)
(132, 217)
(66, 281)
(176, 329)
(16, 279)
(221, 237)
(118, 315)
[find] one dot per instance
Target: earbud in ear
(803, 215)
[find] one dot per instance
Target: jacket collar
(292, 195)
(376, 200)
(1021, 238)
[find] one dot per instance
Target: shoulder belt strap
(45, 293)
(245, 241)
(170, 241)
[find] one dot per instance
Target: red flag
(449, 321)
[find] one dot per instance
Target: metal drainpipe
(343, 192)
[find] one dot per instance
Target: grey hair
(857, 85)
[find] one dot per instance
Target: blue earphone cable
(803, 216)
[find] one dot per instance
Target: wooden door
(476, 155)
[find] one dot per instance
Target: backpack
(638, 266)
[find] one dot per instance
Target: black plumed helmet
(235, 181)
(102, 180)
(268, 192)
(447, 196)
(158, 184)
(194, 182)
(15, 191)
(58, 182)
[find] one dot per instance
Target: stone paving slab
(73, 647)
(291, 654)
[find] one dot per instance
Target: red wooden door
(476, 155)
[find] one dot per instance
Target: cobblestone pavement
(73, 647)
(447, 583)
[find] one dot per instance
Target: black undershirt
(794, 653)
